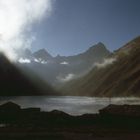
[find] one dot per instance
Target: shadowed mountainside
(120, 78)
(14, 82)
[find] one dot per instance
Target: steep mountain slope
(119, 78)
(14, 83)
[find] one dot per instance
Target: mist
(105, 63)
(66, 78)
(16, 20)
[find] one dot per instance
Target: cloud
(67, 78)
(22, 60)
(64, 63)
(44, 62)
(16, 20)
(105, 63)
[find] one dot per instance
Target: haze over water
(73, 105)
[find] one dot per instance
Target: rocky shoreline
(114, 122)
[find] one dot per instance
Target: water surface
(73, 105)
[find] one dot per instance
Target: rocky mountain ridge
(118, 75)
(63, 68)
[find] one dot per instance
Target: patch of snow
(64, 63)
(24, 60)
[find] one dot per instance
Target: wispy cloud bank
(16, 19)
(67, 78)
(105, 63)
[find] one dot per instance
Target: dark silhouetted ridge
(14, 83)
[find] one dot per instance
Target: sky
(17, 18)
(75, 25)
(67, 27)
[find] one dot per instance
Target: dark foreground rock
(112, 123)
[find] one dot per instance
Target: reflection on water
(69, 104)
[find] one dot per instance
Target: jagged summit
(98, 48)
(98, 45)
(42, 54)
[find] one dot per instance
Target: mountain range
(95, 72)
(59, 69)
(117, 75)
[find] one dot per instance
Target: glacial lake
(70, 104)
